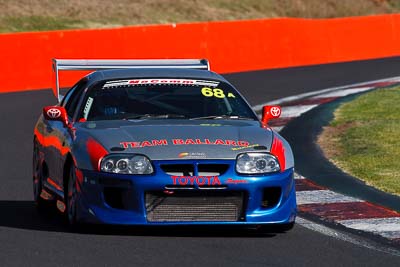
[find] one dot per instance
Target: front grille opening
(271, 197)
(113, 182)
(194, 206)
(114, 197)
(212, 169)
(178, 169)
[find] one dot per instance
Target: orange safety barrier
(231, 46)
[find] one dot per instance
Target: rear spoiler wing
(106, 64)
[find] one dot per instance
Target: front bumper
(118, 199)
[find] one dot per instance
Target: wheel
(71, 195)
(37, 190)
(37, 180)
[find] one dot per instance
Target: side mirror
(270, 112)
(56, 113)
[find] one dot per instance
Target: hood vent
(178, 169)
(212, 169)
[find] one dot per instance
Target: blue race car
(160, 142)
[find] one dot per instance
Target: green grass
(38, 15)
(36, 23)
(364, 139)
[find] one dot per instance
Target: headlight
(254, 163)
(126, 164)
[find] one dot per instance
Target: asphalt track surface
(30, 239)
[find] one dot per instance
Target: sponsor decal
(244, 147)
(164, 142)
(60, 206)
(45, 195)
(54, 113)
(54, 184)
(236, 181)
(278, 150)
(183, 154)
(96, 152)
(210, 124)
(195, 180)
(158, 81)
(192, 155)
(88, 105)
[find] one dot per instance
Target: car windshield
(164, 99)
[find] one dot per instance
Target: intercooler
(194, 206)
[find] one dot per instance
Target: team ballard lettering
(164, 142)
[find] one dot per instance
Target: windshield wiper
(155, 116)
(222, 117)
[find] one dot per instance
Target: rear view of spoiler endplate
(106, 64)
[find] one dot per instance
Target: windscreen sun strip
(160, 81)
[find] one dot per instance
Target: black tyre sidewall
(71, 218)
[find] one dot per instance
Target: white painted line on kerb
(295, 111)
(388, 227)
(322, 197)
(258, 107)
(389, 234)
(345, 92)
(345, 236)
(298, 176)
(277, 128)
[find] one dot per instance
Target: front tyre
(71, 196)
(37, 190)
(40, 203)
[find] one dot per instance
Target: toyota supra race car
(160, 142)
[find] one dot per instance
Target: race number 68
(208, 92)
(216, 92)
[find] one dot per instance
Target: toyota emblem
(275, 111)
(54, 113)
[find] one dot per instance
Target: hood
(180, 139)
